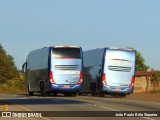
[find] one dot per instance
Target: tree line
(10, 76)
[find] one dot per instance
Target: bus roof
(111, 48)
(66, 46)
(116, 48)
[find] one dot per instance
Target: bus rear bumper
(118, 90)
(63, 88)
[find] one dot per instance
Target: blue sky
(26, 25)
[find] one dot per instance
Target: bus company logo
(21, 114)
(6, 114)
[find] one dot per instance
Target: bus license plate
(117, 89)
(66, 86)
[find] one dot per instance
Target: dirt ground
(151, 97)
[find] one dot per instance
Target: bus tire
(92, 93)
(54, 94)
(73, 94)
(101, 94)
(122, 95)
(42, 88)
(68, 94)
(48, 93)
(30, 93)
(80, 93)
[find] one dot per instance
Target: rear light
(51, 78)
(104, 80)
(81, 78)
(132, 83)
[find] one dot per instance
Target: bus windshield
(66, 53)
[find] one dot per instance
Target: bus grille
(119, 68)
(66, 67)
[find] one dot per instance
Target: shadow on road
(25, 99)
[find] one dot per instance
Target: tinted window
(60, 53)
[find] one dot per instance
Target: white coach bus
(109, 71)
(56, 69)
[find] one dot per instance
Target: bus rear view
(66, 70)
(109, 71)
(119, 70)
(53, 70)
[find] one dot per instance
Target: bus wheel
(42, 92)
(101, 94)
(30, 93)
(48, 93)
(54, 94)
(65, 94)
(80, 93)
(42, 88)
(73, 94)
(93, 92)
(122, 95)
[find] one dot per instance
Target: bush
(11, 80)
(17, 85)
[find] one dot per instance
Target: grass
(11, 89)
(156, 91)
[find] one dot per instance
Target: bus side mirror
(24, 67)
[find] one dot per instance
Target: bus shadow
(105, 96)
(37, 99)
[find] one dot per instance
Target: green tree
(8, 70)
(155, 79)
(140, 62)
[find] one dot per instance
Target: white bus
(56, 69)
(109, 71)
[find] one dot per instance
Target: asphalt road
(80, 107)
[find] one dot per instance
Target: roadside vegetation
(140, 62)
(11, 79)
(155, 81)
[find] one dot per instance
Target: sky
(26, 25)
